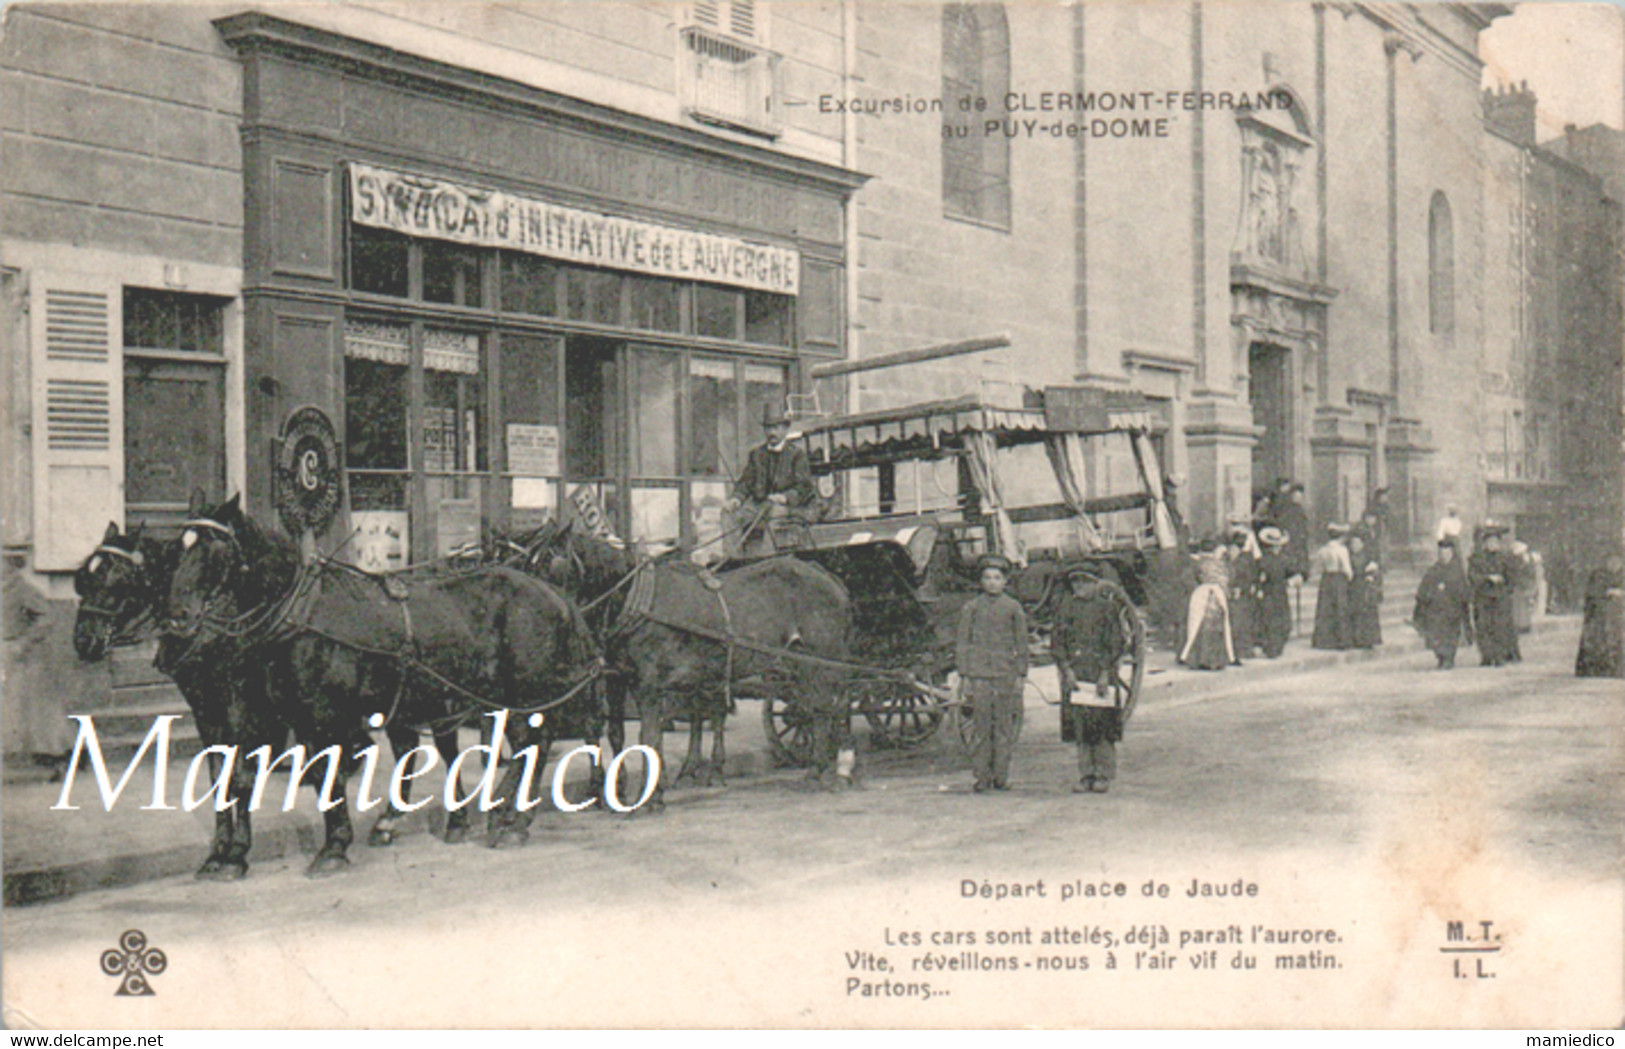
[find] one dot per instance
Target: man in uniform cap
(776, 483)
(1088, 641)
(990, 652)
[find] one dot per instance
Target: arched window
(1441, 267)
(975, 64)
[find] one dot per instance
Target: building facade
(524, 253)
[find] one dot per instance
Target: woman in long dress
(1274, 604)
(1208, 643)
(1332, 625)
(1441, 606)
(1243, 594)
(1365, 594)
(1602, 639)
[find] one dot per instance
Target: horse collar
(135, 557)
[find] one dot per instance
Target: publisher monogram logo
(134, 961)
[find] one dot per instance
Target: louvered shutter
(77, 389)
(740, 19)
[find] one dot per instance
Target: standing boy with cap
(991, 655)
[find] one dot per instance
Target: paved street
(1372, 804)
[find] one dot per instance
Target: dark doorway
(1269, 374)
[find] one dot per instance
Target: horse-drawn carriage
(911, 497)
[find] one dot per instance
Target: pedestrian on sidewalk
(1333, 629)
(1442, 602)
(1602, 639)
(1208, 641)
(1491, 574)
(991, 655)
(1274, 602)
(1365, 592)
(1244, 594)
(1088, 641)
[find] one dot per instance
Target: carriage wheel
(1130, 675)
(898, 716)
(789, 730)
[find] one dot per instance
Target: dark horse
(666, 625)
(433, 650)
(122, 587)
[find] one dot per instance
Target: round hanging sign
(308, 471)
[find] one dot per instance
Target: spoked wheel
(789, 730)
(1130, 673)
(898, 715)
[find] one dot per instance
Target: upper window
(1441, 267)
(168, 320)
(174, 402)
(975, 64)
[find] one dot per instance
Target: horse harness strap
(779, 651)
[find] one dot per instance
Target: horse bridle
(208, 616)
(133, 557)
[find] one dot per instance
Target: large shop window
(174, 403)
(448, 457)
(377, 390)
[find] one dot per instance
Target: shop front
(510, 302)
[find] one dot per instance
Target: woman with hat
(1274, 605)
(776, 483)
(1365, 591)
(990, 652)
(1208, 642)
(1441, 606)
(1492, 575)
(1333, 629)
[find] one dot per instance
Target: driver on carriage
(776, 485)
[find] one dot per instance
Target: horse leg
(690, 768)
(402, 741)
(210, 732)
(652, 734)
(719, 751)
(510, 828)
(445, 741)
(340, 833)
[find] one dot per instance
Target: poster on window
(381, 540)
(533, 450)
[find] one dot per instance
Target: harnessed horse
(683, 639)
(341, 647)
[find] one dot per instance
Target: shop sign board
(421, 206)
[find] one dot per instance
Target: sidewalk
(50, 854)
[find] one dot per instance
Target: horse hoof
(381, 836)
(456, 834)
(222, 870)
(324, 866)
(510, 839)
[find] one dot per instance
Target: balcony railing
(727, 83)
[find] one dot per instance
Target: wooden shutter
(740, 19)
(77, 390)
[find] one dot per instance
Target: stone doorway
(1269, 384)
